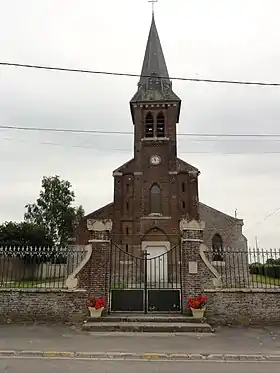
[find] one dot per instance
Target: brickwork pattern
(244, 306)
(94, 277)
(30, 305)
(193, 284)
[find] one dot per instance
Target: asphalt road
(66, 366)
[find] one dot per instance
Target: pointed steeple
(154, 84)
(154, 62)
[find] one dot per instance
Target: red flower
(93, 302)
(198, 302)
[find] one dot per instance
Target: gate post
(195, 274)
(94, 277)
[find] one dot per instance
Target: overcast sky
(233, 39)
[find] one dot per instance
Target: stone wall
(42, 305)
(243, 306)
(229, 228)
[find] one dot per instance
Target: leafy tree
(77, 215)
(54, 210)
(24, 234)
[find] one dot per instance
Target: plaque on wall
(193, 268)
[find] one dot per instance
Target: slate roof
(154, 84)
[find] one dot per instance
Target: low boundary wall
(45, 305)
(243, 306)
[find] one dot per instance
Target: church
(156, 189)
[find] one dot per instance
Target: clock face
(155, 160)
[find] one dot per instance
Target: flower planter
(198, 313)
(95, 313)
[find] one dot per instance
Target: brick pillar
(94, 277)
(195, 274)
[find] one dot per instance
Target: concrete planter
(94, 313)
(198, 313)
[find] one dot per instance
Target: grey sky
(233, 39)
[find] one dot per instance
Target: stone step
(147, 327)
(147, 319)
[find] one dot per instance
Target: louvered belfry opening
(149, 125)
(160, 130)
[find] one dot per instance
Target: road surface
(69, 366)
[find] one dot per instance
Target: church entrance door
(148, 282)
(157, 263)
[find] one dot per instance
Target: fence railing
(252, 268)
(38, 267)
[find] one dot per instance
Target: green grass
(266, 280)
(28, 284)
(21, 284)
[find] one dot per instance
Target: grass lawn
(30, 284)
(266, 280)
(22, 284)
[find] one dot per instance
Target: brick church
(155, 189)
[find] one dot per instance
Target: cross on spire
(153, 2)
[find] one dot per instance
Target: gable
(105, 212)
(207, 209)
(126, 167)
(183, 166)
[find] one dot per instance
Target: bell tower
(155, 108)
(155, 189)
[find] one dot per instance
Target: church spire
(154, 84)
(154, 62)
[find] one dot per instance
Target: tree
(24, 234)
(54, 209)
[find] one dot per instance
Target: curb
(136, 356)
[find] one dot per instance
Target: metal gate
(145, 284)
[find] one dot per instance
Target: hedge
(265, 270)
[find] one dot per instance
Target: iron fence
(38, 267)
(252, 268)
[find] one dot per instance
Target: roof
(212, 209)
(103, 212)
(154, 61)
(126, 167)
(183, 166)
(154, 84)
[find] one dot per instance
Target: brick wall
(42, 305)
(94, 277)
(244, 306)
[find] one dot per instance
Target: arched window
(149, 125)
(155, 199)
(160, 132)
(217, 248)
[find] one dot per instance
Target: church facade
(157, 229)
(156, 189)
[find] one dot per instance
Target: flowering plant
(197, 303)
(96, 303)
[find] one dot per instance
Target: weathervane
(153, 4)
